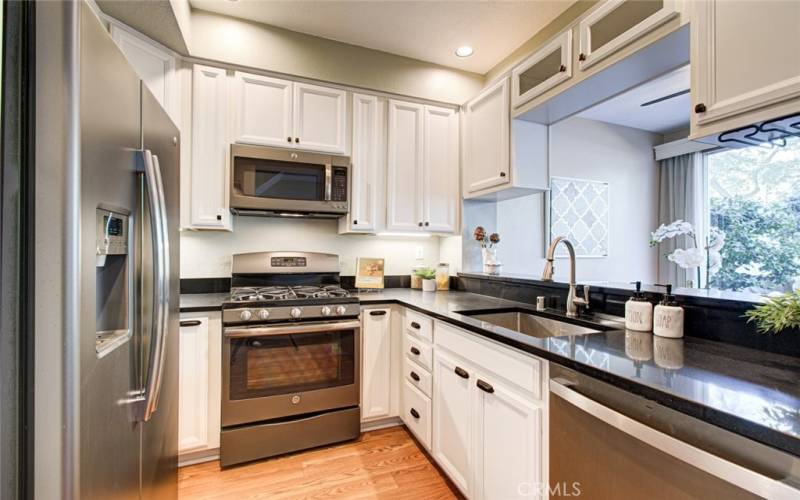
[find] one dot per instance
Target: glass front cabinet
(543, 70)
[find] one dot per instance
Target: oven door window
(282, 180)
(287, 364)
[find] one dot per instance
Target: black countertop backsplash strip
(719, 320)
(205, 285)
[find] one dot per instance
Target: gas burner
(275, 293)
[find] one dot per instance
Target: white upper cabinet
(275, 112)
(405, 157)
(209, 169)
(440, 191)
(365, 187)
(745, 63)
(617, 23)
(486, 142)
(262, 110)
(543, 70)
(376, 363)
(320, 118)
(154, 64)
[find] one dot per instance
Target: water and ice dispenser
(112, 280)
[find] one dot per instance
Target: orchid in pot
(694, 257)
(488, 250)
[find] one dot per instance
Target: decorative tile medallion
(579, 211)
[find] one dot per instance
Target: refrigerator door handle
(161, 264)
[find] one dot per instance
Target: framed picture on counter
(369, 273)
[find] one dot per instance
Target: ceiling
(425, 30)
(666, 116)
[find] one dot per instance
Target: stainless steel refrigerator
(120, 390)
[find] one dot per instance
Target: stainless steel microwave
(278, 182)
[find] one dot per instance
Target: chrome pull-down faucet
(573, 302)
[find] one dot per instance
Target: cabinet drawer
(520, 369)
(418, 351)
(419, 325)
(421, 379)
(417, 413)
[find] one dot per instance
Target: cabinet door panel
(364, 188)
(453, 419)
(508, 444)
(770, 52)
(376, 364)
(263, 110)
(404, 182)
(440, 170)
(320, 118)
(487, 143)
(543, 70)
(193, 386)
(209, 171)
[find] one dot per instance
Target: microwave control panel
(339, 188)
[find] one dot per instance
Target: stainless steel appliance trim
(328, 181)
(317, 327)
(155, 359)
(742, 477)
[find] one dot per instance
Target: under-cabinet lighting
(411, 235)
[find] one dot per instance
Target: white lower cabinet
(507, 441)
(417, 414)
(453, 419)
(488, 416)
(376, 362)
(199, 382)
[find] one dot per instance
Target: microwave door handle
(328, 181)
(155, 357)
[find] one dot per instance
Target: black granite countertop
(752, 393)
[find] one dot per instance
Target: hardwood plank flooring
(386, 463)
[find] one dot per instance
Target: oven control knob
(295, 312)
(246, 315)
(326, 311)
(341, 310)
(263, 314)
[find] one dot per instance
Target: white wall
(587, 149)
(207, 254)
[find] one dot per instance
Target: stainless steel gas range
(290, 356)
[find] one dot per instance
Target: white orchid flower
(665, 231)
(687, 259)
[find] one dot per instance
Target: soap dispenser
(638, 311)
(668, 316)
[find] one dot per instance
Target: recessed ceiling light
(464, 51)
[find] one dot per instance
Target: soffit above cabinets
(668, 114)
(428, 31)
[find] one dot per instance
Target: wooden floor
(386, 463)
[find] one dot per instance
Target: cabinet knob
(355, 222)
(461, 372)
(219, 217)
(562, 69)
(485, 386)
(581, 56)
(288, 139)
(700, 108)
(415, 325)
(414, 376)
(415, 351)
(414, 413)
(296, 139)
(419, 224)
(502, 174)
(427, 224)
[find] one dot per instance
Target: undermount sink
(531, 324)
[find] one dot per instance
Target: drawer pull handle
(191, 322)
(461, 372)
(377, 313)
(414, 376)
(414, 413)
(700, 108)
(484, 386)
(415, 325)
(415, 351)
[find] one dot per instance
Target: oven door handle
(266, 331)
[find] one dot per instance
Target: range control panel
(287, 262)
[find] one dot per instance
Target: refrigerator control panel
(112, 233)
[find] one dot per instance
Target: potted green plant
(778, 314)
(428, 276)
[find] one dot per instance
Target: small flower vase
(490, 263)
(429, 285)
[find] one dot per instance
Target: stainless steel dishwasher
(606, 443)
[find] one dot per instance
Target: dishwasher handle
(735, 474)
